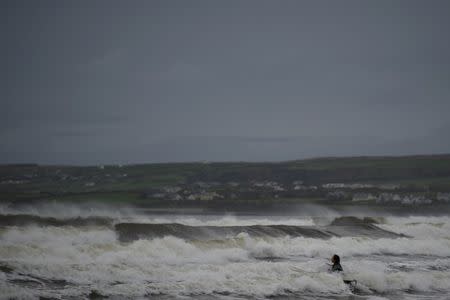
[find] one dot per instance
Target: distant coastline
(403, 181)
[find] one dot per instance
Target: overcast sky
(87, 82)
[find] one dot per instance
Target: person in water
(336, 261)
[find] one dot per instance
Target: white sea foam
(92, 258)
(130, 214)
(230, 220)
(71, 210)
(419, 227)
(347, 246)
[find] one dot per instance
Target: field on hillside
(311, 180)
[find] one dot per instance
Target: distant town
(415, 180)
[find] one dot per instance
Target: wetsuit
(337, 268)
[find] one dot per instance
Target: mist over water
(253, 257)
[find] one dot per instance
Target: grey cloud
(111, 81)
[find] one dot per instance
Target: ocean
(81, 252)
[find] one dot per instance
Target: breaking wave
(344, 226)
(23, 220)
(94, 254)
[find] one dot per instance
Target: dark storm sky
(86, 82)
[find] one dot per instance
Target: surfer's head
(335, 259)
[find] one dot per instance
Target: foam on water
(130, 214)
(229, 220)
(91, 258)
(70, 210)
(419, 227)
(350, 246)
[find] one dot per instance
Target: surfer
(336, 261)
(336, 267)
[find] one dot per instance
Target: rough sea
(81, 252)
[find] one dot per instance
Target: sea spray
(70, 260)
